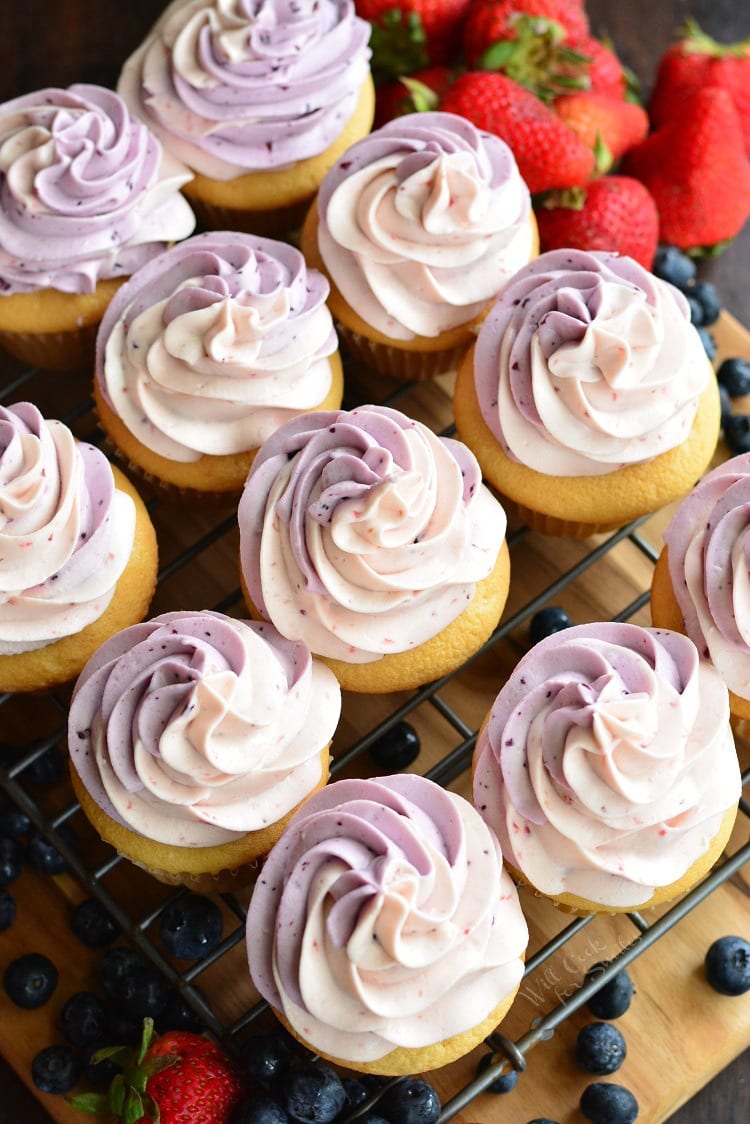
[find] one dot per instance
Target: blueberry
(179, 1015)
(115, 966)
(725, 401)
(83, 1020)
(191, 926)
(371, 1118)
(728, 965)
(600, 1048)
(314, 1093)
(13, 822)
(672, 265)
(546, 622)
(609, 1104)
(93, 924)
(542, 1120)
(99, 1074)
(56, 1069)
(696, 309)
(11, 861)
(709, 343)
(266, 1059)
(43, 856)
(124, 1030)
(707, 296)
(411, 1102)
(737, 433)
(7, 910)
(48, 769)
(612, 1000)
(30, 980)
(734, 377)
(259, 1110)
(143, 993)
(396, 748)
(356, 1091)
(502, 1084)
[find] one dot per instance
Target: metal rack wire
(505, 1053)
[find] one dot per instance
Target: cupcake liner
(221, 882)
(280, 223)
(410, 366)
(53, 351)
(551, 525)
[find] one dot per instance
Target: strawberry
(697, 171)
(408, 35)
(179, 1078)
(491, 21)
(597, 118)
(605, 71)
(611, 213)
(698, 61)
(547, 152)
(412, 93)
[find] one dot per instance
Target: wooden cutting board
(679, 1032)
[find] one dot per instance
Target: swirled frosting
(586, 363)
(708, 544)
(235, 86)
(362, 533)
(216, 343)
(66, 532)
(383, 919)
(422, 223)
(86, 192)
(607, 763)
(193, 728)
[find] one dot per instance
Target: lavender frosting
(86, 192)
(383, 919)
(235, 86)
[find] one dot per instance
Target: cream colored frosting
(422, 223)
(608, 762)
(586, 363)
(362, 533)
(383, 919)
(193, 728)
(66, 532)
(215, 344)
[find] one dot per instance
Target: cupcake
(78, 553)
(258, 97)
(207, 350)
(588, 399)
(700, 584)
(418, 227)
(383, 930)
(374, 542)
(607, 767)
(86, 197)
(194, 737)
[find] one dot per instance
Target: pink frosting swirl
(235, 86)
(66, 532)
(86, 192)
(608, 762)
(193, 728)
(586, 363)
(709, 567)
(422, 223)
(215, 344)
(383, 919)
(362, 533)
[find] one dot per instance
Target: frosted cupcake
(194, 737)
(78, 554)
(588, 399)
(258, 98)
(374, 542)
(700, 584)
(209, 349)
(607, 767)
(383, 929)
(86, 197)
(419, 226)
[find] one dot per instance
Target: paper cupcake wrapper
(410, 366)
(550, 525)
(53, 351)
(222, 882)
(281, 223)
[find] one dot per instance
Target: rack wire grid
(212, 527)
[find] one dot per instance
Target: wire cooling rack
(200, 544)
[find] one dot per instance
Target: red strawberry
(413, 93)
(605, 72)
(698, 61)
(697, 171)
(547, 152)
(617, 124)
(179, 1078)
(612, 213)
(490, 21)
(409, 34)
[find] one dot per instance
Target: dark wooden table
(53, 44)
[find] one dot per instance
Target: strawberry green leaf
(603, 160)
(422, 97)
(134, 1109)
(95, 1103)
(116, 1096)
(146, 1039)
(571, 198)
(497, 56)
(709, 251)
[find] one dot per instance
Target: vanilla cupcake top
(586, 363)
(362, 533)
(708, 544)
(86, 192)
(383, 919)
(236, 86)
(422, 223)
(66, 532)
(213, 345)
(193, 728)
(607, 762)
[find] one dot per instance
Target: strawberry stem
(696, 41)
